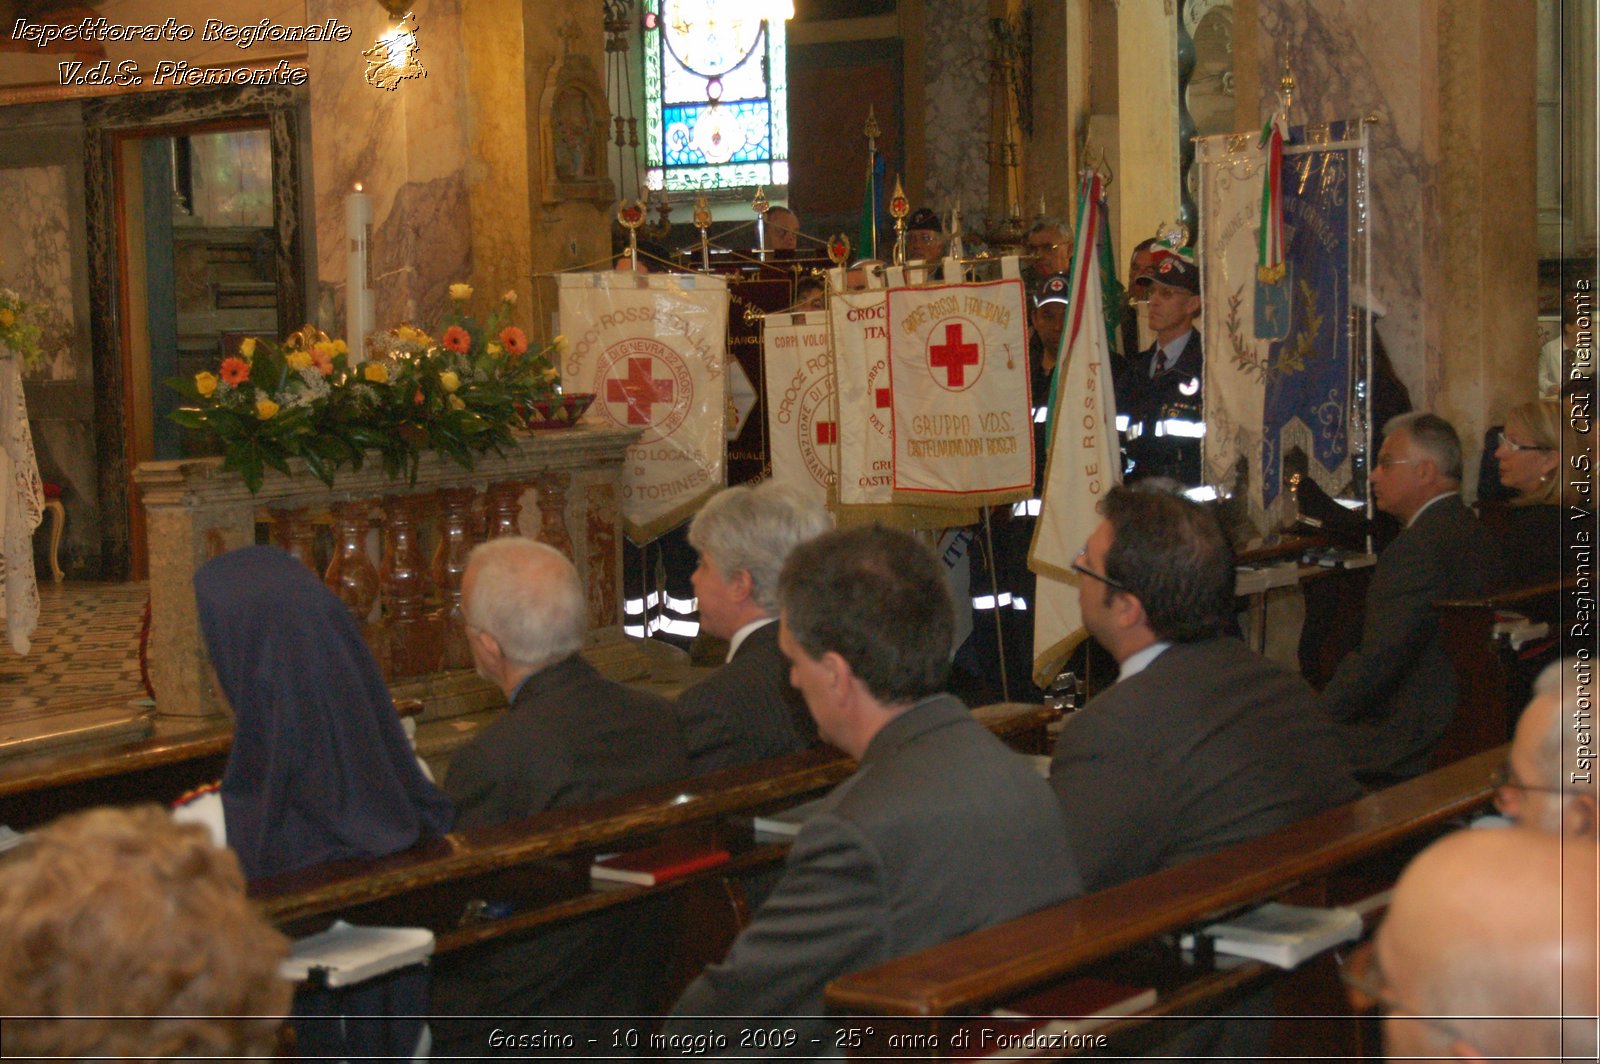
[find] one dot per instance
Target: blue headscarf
(320, 769)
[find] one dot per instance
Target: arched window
(716, 95)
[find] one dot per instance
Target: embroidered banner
(958, 369)
(651, 348)
(802, 419)
(857, 324)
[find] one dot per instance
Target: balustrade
(393, 552)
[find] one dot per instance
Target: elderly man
(1548, 782)
(782, 227)
(747, 709)
(571, 736)
(1156, 591)
(1158, 392)
(1047, 250)
(1488, 951)
(924, 236)
(940, 831)
(1395, 694)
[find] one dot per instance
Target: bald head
(1489, 930)
(1548, 786)
(524, 607)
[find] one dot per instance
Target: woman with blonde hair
(1529, 454)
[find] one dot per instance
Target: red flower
(235, 371)
(458, 339)
(514, 339)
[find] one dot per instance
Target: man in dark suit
(570, 737)
(746, 710)
(941, 830)
(1158, 392)
(1201, 742)
(1395, 694)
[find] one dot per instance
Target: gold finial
(702, 212)
(871, 130)
(899, 206)
(839, 249)
(759, 204)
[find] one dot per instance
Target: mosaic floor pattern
(85, 652)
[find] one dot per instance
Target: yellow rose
(449, 381)
(265, 408)
(376, 372)
(325, 348)
(552, 374)
(7, 318)
(493, 349)
(560, 344)
(340, 347)
(510, 296)
(299, 359)
(406, 332)
(460, 292)
(247, 348)
(456, 403)
(205, 383)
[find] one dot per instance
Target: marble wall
(956, 73)
(36, 260)
(1450, 87)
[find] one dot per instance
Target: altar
(21, 508)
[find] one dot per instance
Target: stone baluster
(351, 574)
(505, 509)
(294, 531)
(410, 642)
(449, 565)
(603, 518)
(552, 501)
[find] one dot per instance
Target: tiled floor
(85, 652)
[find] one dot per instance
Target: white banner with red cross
(858, 323)
(958, 367)
(652, 349)
(802, 417)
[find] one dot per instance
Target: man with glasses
(1047, 249)
(1395, 693)
(1202, 742)
(1488, 951)
(1544, 785)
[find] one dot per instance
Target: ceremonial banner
(958, 369)
(1084, 460)
(866, 415)
(651, 349)
(1282, 378)
(802, 422)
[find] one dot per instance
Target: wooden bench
(1491, 688)
(923, 999)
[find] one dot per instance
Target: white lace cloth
(21, 507)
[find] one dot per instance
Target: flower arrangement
(459, 395)
(18, 329)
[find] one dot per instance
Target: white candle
(358, 297)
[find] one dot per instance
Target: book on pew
(345, 954)
(785, 824)
(1054, 1019)
(1281, 935)
(656, 864)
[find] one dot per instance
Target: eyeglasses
(1368, 990)
(1091, 574)
(1506, 784)
(1506, 442)
(1385, 463)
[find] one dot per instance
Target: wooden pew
(922, 1000)
(1491, 688)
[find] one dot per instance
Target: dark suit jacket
(1147, 401)
(571, 737)
(1211, 744)
(745, 711)
(942, 830)
(1395, 693)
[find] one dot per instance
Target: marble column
(1147, 112)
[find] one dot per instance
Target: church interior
(163, 197)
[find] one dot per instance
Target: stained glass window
(716, 96)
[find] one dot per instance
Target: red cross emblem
(953, 356)
(639, 390)
(882, 399)
(827, 432)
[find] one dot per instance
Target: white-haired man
(746, 710)
(1548, 783)
(571, 736)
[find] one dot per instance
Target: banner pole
(994, 594)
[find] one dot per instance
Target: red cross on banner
(827, 432)
(882, 399)
(640, 391)
(953, 356)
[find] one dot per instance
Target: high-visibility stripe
(1025, 508)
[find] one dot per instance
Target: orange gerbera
(235, 371)
(515, 340)
(457, 339)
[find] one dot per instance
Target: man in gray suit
(941, 830)
(1201, 742)
(747, 710)
(1395, 694)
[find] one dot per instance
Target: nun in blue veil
(321, 769)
